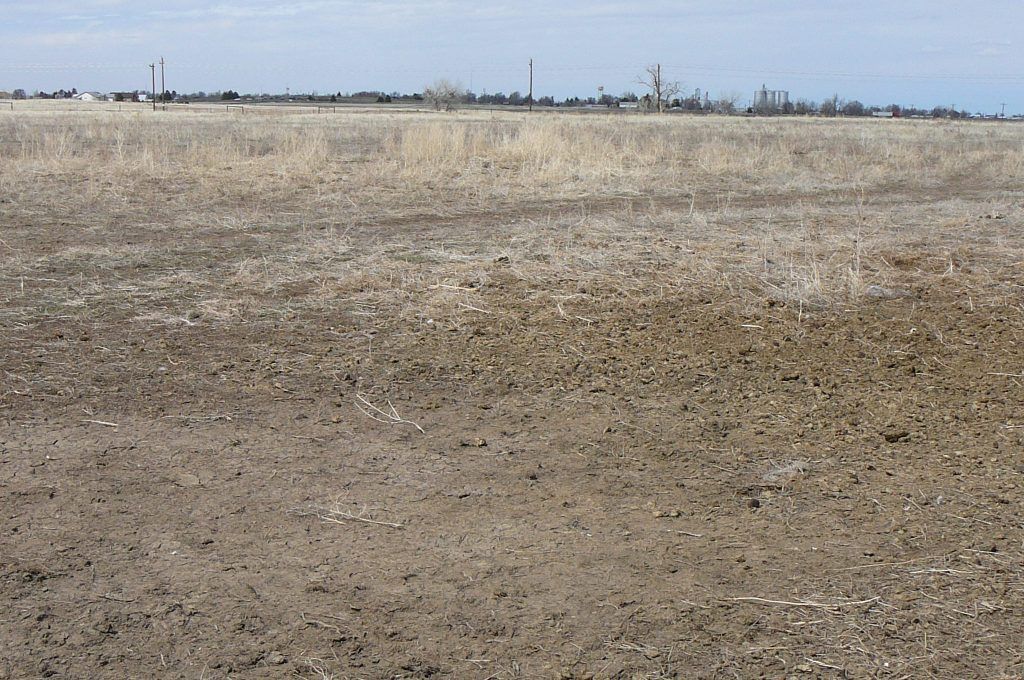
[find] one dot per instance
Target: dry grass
(333, 208)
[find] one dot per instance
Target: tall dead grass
(801, 211)
(547, 153)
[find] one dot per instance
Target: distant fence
(7, 105)
(234, 107)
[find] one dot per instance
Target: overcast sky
(920, 52)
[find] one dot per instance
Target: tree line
(661, 95)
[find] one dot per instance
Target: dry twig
(101, 422)
(390, 416)
(818, 605)
(339, 516)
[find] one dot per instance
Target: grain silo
(768, 101)
(761, 99)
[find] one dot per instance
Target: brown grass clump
(808, 212)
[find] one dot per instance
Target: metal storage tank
(761, 98)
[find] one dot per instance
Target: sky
(911, 52)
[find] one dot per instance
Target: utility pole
(1003, 114)
(163, 84)
(531, 84)
(661, 107)
(152, 70)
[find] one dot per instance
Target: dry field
(373, 395)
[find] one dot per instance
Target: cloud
(992, 52)
(84, 38)
(243, 11)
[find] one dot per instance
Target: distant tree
(804, 107)
(854, 108)
(228, 95)
(628, 96)
(662, 90)
(546, 101)
(726, 102)
(387, 99)
(516, 98)
(443, 95)
(334, 98)
(830, 107)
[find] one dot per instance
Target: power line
(852, 74)
(554, 68)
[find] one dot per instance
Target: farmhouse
(89, 97)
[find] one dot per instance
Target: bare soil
(615, 483)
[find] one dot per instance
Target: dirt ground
(619, 482)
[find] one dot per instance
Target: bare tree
(831, 107)
(726, 102)
(444, 95)
(662, 91)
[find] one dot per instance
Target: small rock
(753, 503)
(896, 436)
(276, 658)
(187, 480)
